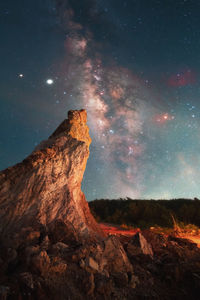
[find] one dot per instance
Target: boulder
(139, 245)
(157, 241)
(91, 264)
(114, 257)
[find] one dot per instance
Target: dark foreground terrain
(54, 264)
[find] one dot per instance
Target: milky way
(114, 99)
(119, 106)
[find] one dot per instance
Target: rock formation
(46, 186)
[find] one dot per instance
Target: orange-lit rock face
(79, 130)
(47, 185)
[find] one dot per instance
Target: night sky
(133, 65)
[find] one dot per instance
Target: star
(21, 75)
(49, 81)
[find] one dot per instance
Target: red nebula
(163, 118)
(182, 78)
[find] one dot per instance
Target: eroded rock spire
(46, 186)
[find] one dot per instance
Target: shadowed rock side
(46, 186)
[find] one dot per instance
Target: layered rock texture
(46, 186)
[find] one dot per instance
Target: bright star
(49, 81)
(21, 75)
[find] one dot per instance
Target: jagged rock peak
(75, 126)
(46, 186)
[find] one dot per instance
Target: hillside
(147, 213)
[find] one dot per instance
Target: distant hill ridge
(146, 213)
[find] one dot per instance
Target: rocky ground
(51, 263)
